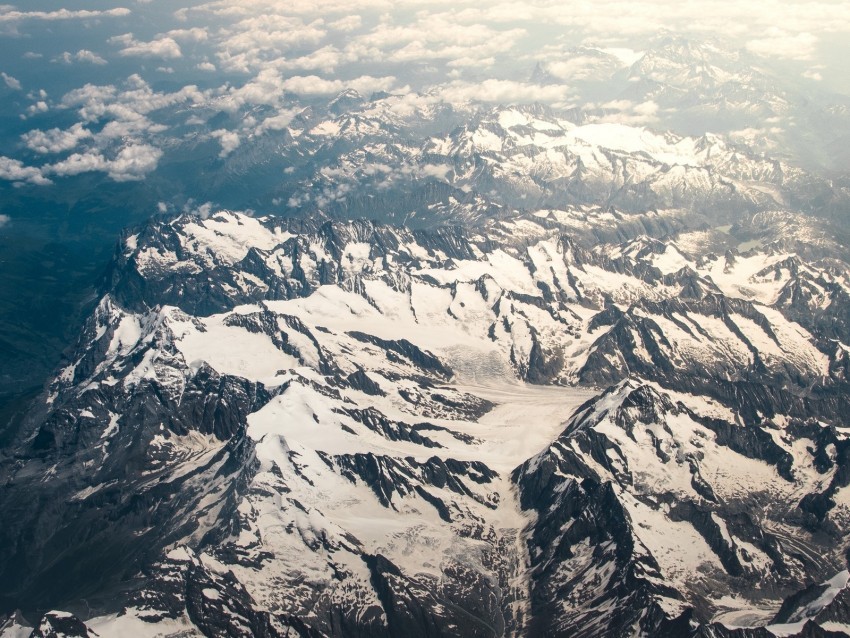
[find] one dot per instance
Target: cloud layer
(260, 61)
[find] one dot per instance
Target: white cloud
(164, 47)
(269, 84)
(132, 163)
(79, 163)
(56, 140)
(203, 211)
(310, 47)
(95, 102)
(14, 170)
(39, 107)
(195, 34)
(277, 122)
(265, 88)
(9, 14)
(434, 37)
(229, 141)
(325, 59)
(314, 85)
(467, 61)
(12, 83)
(778, 43)
(648, 108)
(439, 29)
(434, 170)
(251, 43)
(615, 18)
(4, 219)
(91, 99)
(616, 105)
(582, 66)
(130, 127)
(83, 55)
(348, 23)
(504, 92)
(627, 112)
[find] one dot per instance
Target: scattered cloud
(265, 88)
(582, 66)
(314, 85)
(448, 50)
(325, 59)
(229, 141)
(164, 47)
(83, 55)
(137, 99)
(203, 210)
(39, 107)
(277, 122)
(627, 112)
(471, 62)
(9, 14)
(348, 23)
(779, 43)
(4, 219)
(12, 83)
(56, 140)
(505, 92)
(132, 163)
(251, 43)
(14, 171)
(195, 34)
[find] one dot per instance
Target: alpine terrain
(494, 371)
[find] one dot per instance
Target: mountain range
(498, 371)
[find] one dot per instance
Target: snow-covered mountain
(417, 160)
(373, 162)
(277, 427)
(692, 86)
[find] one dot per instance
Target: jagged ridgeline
(273, 428)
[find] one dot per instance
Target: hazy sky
(83, 83)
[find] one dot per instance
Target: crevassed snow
(132, 624)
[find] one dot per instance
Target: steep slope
(272, 427)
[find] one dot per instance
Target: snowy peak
(685, 512)
(428, 167)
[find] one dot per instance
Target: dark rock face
(413, 609)
(425, 361)
(135, 496)
(61, 625)
(102, 546)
